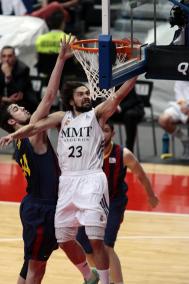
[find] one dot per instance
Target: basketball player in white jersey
(83, 191)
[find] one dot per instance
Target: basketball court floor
(153, 245)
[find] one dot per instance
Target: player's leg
(116, 275)
(169, 121)
(95, 220)
(115, 217)
(36, 271)
(66, 238)
(66, 226)
(32, 272)
(84, 242)
(21, 280)
(166, 122)
(23, 273)
(100, 256)
(115, 266)
(39, 237)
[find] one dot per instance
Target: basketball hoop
(86, 52)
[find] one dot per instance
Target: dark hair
(110, 123)
(4, 117)
(178, 17)
(67, 93)
(8, 47)
(55, 20)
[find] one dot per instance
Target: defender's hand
(153, 201)
(6, 140)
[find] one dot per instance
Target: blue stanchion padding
(105, 61)
(107, 78)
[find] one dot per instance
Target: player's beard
(27, 121)
(85, 108)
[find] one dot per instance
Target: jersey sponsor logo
(72, 132)
(101, 218)
(112, 160)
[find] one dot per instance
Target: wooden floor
(153, 246)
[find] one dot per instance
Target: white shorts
(83, 199)
(174, 111)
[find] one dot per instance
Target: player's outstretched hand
(6, 140)
(65, 50)
(154, 201)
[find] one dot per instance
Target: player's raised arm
(53, 120)
(108, 107)
(54, 82)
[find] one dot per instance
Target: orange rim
(125, 45)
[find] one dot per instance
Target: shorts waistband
(80, 173)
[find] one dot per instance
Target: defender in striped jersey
(39, 163)
(116, 161)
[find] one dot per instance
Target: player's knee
(161, 120)
(95, 233)
(164, 120)
(97, 244)
(36, 270)
(64, 235)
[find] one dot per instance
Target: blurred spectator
(13, 7)
(29, 4)
(47, 11)
(48, 44)
(15, 83)
(65, 3)
(47, 48)
(130, 113)
(50, 41)
(178, 112)
(74, 21)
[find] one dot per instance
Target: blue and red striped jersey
(115, 171)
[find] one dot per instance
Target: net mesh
(89, 61)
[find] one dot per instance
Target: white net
(89, 62)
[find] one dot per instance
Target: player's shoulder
(127, 154)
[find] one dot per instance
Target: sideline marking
(4, 240)
(153, 237)
(156, 213)
(126, 211)
(10, 203)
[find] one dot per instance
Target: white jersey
(80, 142)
